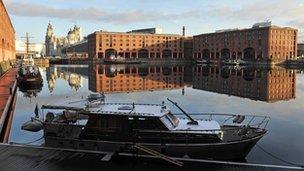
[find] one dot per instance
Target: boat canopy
(152, 110)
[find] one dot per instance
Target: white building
(54, 44)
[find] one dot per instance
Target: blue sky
(199, 16)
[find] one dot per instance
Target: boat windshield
(173, 119)
(170, 120)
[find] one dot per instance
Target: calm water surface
(277, 93)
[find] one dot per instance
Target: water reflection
(30, 92)
(121, 78)
(269, 85)
(256, 84)
(207, 89)
(70, 75)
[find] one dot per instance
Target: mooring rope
(278, 158)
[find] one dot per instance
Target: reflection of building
(262, 42)
(264, 85)
(102, 44)
(74, 80)
(127, 79)
(7, 36)
(54, 44)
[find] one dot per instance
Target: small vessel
(28, 61)
(117, 127)
(96, 97)
(203, 61)
(29, 76)
(35, 124)
(120, 60)
(231, 62)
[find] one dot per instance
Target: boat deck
(20, 157)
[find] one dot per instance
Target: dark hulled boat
(117, 127)
(29, 76)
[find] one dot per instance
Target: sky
(199, 16)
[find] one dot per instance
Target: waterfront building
(7, 36)
(107, 79)
(103, 44)
(77, 50)
(256, 84)
(263, 42)
(301, 50)
(55, 44)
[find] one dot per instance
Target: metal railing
(256, 121)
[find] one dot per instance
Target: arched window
(143, 53)
(167, 53)
(249, 53)
(225, 53)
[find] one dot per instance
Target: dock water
(25, 157)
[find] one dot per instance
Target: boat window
(125, 108)
(165, 119)
(173, 119)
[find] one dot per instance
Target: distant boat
(203, 61)
(230, 62)
(120, 60)
(234, 62)
(27, 61)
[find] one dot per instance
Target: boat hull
(30, 82)
(216, 151)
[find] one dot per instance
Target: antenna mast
(27, 44)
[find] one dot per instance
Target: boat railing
(257, 121)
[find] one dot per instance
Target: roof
(136, 33)
(152, 110)
(244, 29)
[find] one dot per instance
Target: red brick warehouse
(103, 44)
(262, 42)
(7, 36)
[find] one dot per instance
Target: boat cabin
(116, 121)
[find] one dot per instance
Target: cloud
(261, 10)
(289, 13)
(92, 14)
